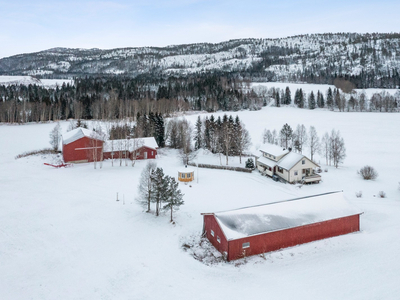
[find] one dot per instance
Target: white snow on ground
(26, 80)
(63, 235)
(307, 88)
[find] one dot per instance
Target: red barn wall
(151, 153)
(82, 150)
(294, 236)
(210, 223)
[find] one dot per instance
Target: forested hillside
(368, 60)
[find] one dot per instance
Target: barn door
(145, 154)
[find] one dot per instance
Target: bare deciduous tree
(313, 141)
(146, 185)
(55, 137)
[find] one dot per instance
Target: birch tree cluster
(159, 191)
(331, 146)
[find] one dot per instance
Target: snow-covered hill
(298, 58)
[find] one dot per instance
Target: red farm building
(140, 148)
(269, 227)
(81, 145)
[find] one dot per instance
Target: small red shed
(141, 148)
(269, 227)
(81, 145)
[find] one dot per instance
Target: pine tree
(288, 96)
(174, 196)
(311, 101)
(329, 99)
(301, 99)
(250, 163)
(320, 100)
(160, 188)
(198, 136)
(277, 100)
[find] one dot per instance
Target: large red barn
(81, 145)
(269, 227)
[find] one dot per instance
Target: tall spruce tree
(198, 135)
(329, 99)
(288, 96)
(160, 186)
(311, 101)
(174, 196)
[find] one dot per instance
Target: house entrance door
(145, 154)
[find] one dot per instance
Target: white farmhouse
(287, 165)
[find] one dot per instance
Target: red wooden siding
(140, 153)
(82, 150)
(294, 236)
(210, 223)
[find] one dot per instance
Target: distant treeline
(113, 98)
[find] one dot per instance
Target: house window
(188, 175)
(280, 170)
(218, 239)
(246, 245)
(182, 175)
(303, 161)
(273, 157)
(212, 232)
(304, 171)
(296, 173)
(152, 152)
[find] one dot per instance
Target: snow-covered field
(26, 80)
(307, 88)
(63, 235)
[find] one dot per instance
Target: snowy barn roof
(130, 145)
(78, 133)
(281, 215)
(273, 149)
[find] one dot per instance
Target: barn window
(246, 245)
(296, 173)
(212, 232)
(218, 239)
(303, 161)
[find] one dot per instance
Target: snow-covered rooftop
(186, 170)
(78, 133)
(274, 150)
(289, 160)
(130, 145)
(267, 161)
(281, 215)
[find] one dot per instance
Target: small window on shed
(218, 239)
(212, 232)
(303, 161)
(246, 245)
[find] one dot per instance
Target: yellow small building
(186, 175)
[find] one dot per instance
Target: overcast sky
(35, 25)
